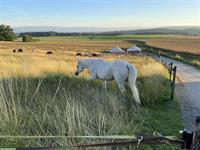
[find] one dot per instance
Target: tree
(27, 38)
(6, 33)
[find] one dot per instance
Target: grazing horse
(120, 71)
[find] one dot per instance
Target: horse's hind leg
(121, 86)
(120, 82)
(104, 84)
(122, 90)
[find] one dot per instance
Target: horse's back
(120, 64)
(123, 62)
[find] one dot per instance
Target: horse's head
(79, 67)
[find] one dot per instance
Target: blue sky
(100, 13)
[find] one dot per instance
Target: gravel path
(188, 92)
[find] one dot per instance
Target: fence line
(118, 140)
(114, 137)
(189, 140)
(172, 74)
(141, 139)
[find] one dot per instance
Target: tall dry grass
(39, 95)
(37, 65)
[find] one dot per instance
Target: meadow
(39, 95)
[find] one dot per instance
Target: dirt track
(188, 92)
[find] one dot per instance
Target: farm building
(116, 50)
(134, 50)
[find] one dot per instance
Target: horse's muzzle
(76, 73)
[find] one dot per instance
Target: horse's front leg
(91, 77)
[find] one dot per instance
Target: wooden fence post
(196, 136)
(195, 62)
(173, 83)
(170, 70)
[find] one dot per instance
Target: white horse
(120, 71)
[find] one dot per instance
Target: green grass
(61, 105)
(63, 38)
(99, 38)
(128, 37)
(7, 148)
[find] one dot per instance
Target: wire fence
(172, 73)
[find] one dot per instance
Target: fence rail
(187, 140)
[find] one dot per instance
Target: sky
(100, 13)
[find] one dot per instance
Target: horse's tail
(132, 75)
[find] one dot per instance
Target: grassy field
(39, 95)
(102, 38)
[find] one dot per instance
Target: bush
(29, 38)
(6, 33)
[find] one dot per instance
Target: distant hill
(64, 29)
(182, 30)
(166, 30)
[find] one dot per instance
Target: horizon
(110, 27)
(88, 29)
(100, 14)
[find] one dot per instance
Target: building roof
(134, 49)
(116, 50)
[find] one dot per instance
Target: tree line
(52, 33)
